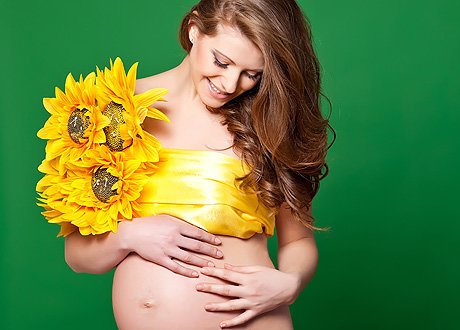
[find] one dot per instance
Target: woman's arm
(156, 239)
(297, 251)
(95, 254)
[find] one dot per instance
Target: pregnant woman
(243, 153)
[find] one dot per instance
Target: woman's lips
(215, 92)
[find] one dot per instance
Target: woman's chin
(212, 102)
(212, 99)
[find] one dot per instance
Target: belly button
(148, 304)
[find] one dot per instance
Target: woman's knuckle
(253, 305)
(175, 268)
(188, 257)
(258, 305)
(196, 246)
(199, 235)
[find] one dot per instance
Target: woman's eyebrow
(226, 57)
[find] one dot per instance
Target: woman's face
(223, 66)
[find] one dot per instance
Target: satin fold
(198, 186)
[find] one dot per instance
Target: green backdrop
(391, 69)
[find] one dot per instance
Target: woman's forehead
(230, 42)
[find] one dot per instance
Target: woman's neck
(184, 86)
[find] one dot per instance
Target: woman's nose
(230, 81)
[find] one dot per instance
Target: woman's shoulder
(159, 128)
(160, 80)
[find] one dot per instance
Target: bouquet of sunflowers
(98, 156)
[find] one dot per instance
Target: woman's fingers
(177, 268)
(190, 258)
(222, 290)
(240, 319)
(243, 269)
(197, 233)
(200, 247)
(224, 274)
(230, 305)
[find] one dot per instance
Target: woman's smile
(216, 92)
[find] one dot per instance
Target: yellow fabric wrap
(198, 186)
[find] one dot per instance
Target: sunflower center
(102, 182)
(112, 132)
(77, 125)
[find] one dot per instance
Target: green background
(391, 69)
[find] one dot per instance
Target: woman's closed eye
(254, 77)
(218, 63)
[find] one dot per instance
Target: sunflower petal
(157, 114)
(149, 97)
(131, 78)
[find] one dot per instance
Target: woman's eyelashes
(218, 63)
(254, 77)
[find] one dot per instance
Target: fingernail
(199, 287)
(218, 241)
(195, 274)
(223, 325)
(210, 264)
(219, 254)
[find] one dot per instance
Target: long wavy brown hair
(278, 127)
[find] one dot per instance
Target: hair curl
(278, 127)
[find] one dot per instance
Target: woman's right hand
(162, 237)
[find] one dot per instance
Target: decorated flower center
(102, 182)
(77, 125)
(112, 132)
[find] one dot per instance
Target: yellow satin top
(198, 186)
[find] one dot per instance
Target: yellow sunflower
(96, 195)
(76, 123)
(52, 195)
(128, 111)
(98, 157)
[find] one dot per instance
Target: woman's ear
(192, 33)
(193, 30)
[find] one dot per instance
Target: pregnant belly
(148, 296)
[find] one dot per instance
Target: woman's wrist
(124, 236)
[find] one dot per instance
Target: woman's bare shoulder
(144, 84)
(160, 128)
(160, 80)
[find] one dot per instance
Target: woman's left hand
(259, 290)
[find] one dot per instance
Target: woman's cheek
(247, 84)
